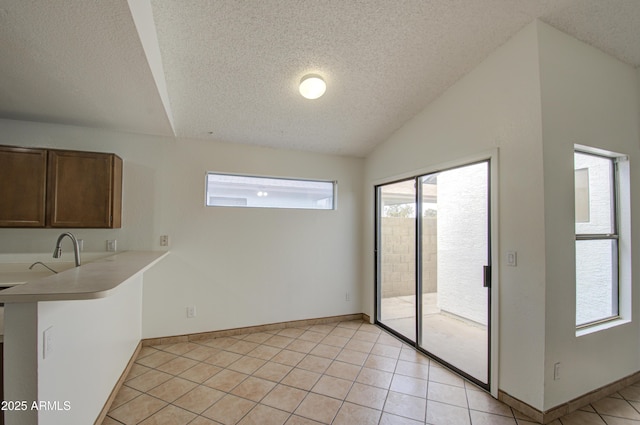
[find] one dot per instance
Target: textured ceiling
(227, 70)
(76, 62)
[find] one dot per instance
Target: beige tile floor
(341, 373)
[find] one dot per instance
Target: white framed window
(601, 234)
(233, 190)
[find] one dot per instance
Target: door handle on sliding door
(487, 276)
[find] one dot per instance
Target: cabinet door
(81, 189)
(23, 181)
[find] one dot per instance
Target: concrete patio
(459, 342)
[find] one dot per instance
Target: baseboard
(521, 406)
(119, 383)
(570, 406)
(251, 329)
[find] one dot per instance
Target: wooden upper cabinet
(57, 188)
(84, 189)
(23, 179)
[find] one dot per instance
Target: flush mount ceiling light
(312, 86)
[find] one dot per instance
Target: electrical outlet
(111, 245)
(164, 240)
(347, 296)
(556, 371)
(48, 345)
(191, 312)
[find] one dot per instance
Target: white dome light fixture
(312, 86)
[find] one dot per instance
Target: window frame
(613, 235)
(334, 191)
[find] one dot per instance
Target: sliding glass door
(396, 257)
(433, 240)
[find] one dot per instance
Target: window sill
(601, 326)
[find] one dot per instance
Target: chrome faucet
(76, 248)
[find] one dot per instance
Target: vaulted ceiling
(228, 70)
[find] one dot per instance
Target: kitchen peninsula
(68, 337)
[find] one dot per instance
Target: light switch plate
(191, 312)
(112, 245)
(512, 258)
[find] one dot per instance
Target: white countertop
(9, 279)
(89, 281)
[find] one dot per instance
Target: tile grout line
(305, 353)
(231, 389)
(247, 354)
(311, 390)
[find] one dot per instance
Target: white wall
(495, 105)
(246, 266)
(591, 99)
(239, 267)
(463, 237)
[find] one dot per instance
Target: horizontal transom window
(232, 190)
